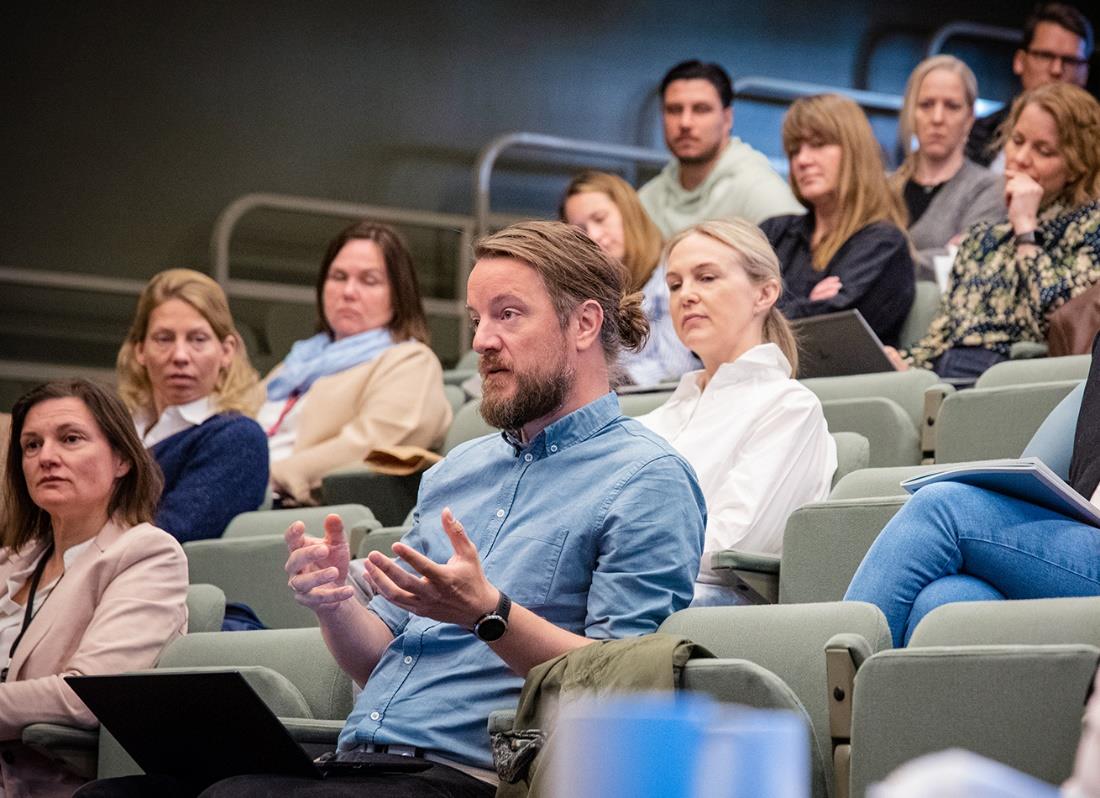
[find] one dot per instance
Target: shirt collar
(579, 425)
(761, 359)
(175, 418)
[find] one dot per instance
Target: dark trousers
(965, 362)
(438, 781)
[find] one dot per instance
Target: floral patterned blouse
(997, 296)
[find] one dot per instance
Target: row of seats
(1004, 679)
(870, 707)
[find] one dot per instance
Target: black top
(1084, 468)
(979, 144)
(874, 266)
(918, 197)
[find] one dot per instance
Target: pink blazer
(118, 605)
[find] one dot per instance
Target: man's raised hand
(453, 592)
(318, 568)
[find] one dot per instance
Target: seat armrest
(313, 730)
(77, 749)
(933, 399)
(501, 720)
(388, 496)
(1027, 350)
(844, 654)
(744, 561)
(754, 576)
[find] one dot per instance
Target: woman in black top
(849, 251)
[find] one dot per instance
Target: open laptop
(204, 727)
(837, 344)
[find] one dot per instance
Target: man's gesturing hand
(318, 568)
(455, 592)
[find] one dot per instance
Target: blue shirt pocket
(523, 564)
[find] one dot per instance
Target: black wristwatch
(493, 624)
(1026, 238)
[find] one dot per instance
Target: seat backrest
(205, 608)
(926, 303)
(285, 324)
(299, 655)
(1053, 441)
(904, 387)
(275, 522)
(638, 404)
(1040, 369)
(456, 397)
(1023, 622)
(787, 640)
(824, 543)
(853, 452)
(873, 482)
(251, 571)
(987, 423)
(468, 361)
(1016, 704)
(467, 425)
(890, 432)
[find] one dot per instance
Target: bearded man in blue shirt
(575, 524)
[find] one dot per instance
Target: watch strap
(1026, 238)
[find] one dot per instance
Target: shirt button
(375, 715)
(408, 660)
(553, 447)
(528, 457)
(500, 513)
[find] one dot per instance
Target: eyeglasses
(1047, 58)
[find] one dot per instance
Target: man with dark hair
(575, 525)
(711, 176)
(1057, 45)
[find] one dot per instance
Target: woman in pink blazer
(87, 584)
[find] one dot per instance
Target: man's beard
(536, 395)
(701, 158)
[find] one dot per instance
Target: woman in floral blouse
(1008, 277)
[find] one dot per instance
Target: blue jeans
(953, 542)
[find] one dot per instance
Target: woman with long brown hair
(849, 251)
(367, 380)
(608, 210)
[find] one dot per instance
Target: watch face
(491, 628)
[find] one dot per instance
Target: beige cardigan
(396, 399)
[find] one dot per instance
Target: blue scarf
(320, 356)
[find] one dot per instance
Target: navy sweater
(212, 472)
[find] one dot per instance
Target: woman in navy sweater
(184, 373)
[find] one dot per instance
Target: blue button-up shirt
(596, 525)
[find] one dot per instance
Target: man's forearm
(531, 640)
(356, 637)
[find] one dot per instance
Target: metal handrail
(753, 88)
(279, 292)
(780, 90)
(72, 280)
(490, 154)
(971, 30)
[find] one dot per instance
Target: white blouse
(759, 445)
(11, 612)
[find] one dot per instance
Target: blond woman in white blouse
(756, 437)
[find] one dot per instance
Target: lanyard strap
(28, 613)
(290, 402)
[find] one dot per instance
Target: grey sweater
(973, 195)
